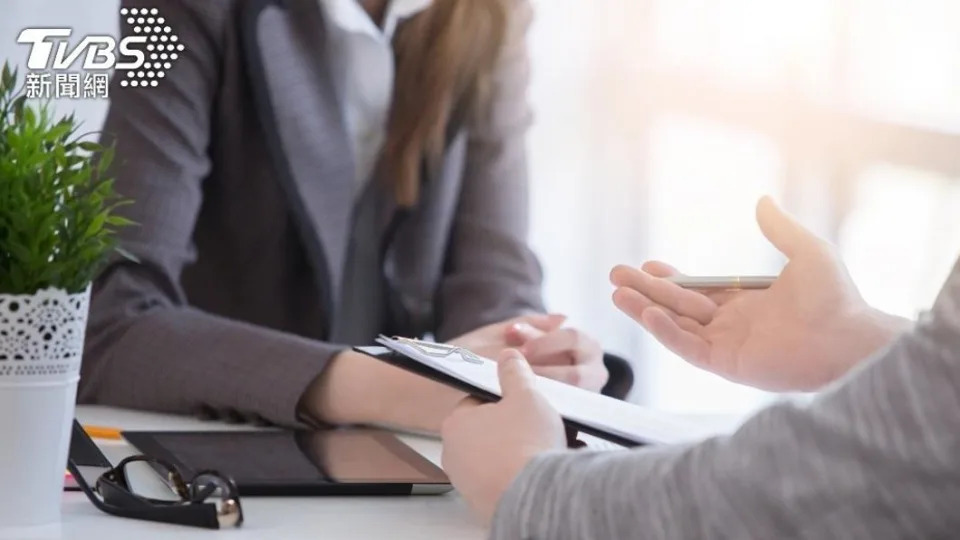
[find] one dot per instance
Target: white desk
(327, 518)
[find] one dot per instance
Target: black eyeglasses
(208, 500)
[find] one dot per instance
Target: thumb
(783, 230)
(514, 373)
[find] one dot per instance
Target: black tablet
(300, 463)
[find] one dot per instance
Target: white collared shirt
(362, 62)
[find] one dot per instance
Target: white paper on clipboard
(602, 413)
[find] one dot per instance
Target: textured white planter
(41, 345)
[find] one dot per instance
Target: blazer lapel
(284, 45)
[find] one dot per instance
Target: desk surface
(330, 518)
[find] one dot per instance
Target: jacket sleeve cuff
(523, 499)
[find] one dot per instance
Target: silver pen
(730, 283)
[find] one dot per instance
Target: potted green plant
(57, 228)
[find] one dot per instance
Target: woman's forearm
(357, 389)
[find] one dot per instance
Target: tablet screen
(283, 462)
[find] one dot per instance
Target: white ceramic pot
(41, 345)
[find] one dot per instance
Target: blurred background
(661, 122)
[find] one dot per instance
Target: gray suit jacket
(875, 457)
(243, 181)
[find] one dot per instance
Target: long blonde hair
(445, 57)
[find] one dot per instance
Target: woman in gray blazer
(308, 174)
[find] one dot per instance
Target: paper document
(605, 414)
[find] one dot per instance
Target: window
(901, 236)
(660, 123)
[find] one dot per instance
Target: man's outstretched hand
(806, 330)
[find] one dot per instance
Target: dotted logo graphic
(163, 47)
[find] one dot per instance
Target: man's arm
(875, 456)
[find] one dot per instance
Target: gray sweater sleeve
(875, 456)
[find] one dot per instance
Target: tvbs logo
(146, 56)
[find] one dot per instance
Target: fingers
(682, 301)
(467, 403)
(660, 269)
(562, 345)
(783, 230)
(634, 304)
(620, 274)
(688, 345)
(588, 376)
(514, 373)
(631, 302)
(520, 333)
(523, 329)
(543, 322)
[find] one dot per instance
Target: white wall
(588, 209)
